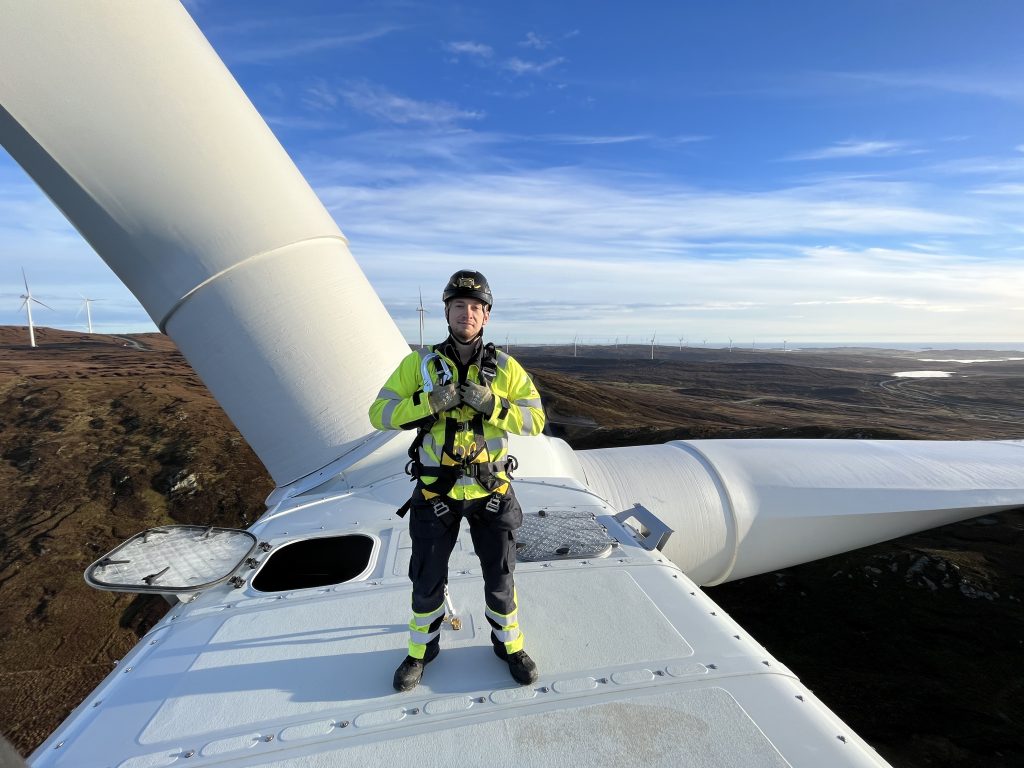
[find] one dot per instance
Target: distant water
(974, 360)
(923, 374)
(908, 346)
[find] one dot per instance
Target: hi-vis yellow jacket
(461, 434)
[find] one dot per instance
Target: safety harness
(453, 468)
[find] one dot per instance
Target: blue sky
(753, 170)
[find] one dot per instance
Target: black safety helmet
(469, 284)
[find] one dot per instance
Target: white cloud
(646, 213)
(520, 67)
(384, 105)
(256, 54)
(644, 253)
(535, 41)
(470, 48)
(850, 148)
(991, 85)
(562, 138)
(320, 96)
(1000, 189)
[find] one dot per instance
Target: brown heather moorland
(917, 643)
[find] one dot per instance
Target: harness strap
(448, 475)
(489, 364)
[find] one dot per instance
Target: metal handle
(654, 531)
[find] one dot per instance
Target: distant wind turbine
(652, 344)
(574, 338)
(422, 311)
(88, 310)
(27, 306)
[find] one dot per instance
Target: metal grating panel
(172, 559)
(561, 534)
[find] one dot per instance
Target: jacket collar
(463, 354)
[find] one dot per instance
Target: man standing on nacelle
(463, 397)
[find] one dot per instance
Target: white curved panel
(677, 486)
(543, 456)
(743, 507)
(799, 500)
(156, 156)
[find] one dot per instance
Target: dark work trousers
(494, 540)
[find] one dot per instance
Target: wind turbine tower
(652, 344)
(27, 305)
(420, 309)
(574, 338)
(87, 303)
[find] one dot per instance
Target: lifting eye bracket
(653, 530)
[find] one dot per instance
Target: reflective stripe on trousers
(505, 627)
(424, 628)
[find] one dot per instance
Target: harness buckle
(440, 508)
(493, 504)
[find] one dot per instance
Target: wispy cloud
(565, 138)
(259, 54)
(520, 67)
(886, 301)
(666, 255)
(320, 96)
(991, 85)
(1015, 190)
(851, 148)
(620, 212)
(535, 41)
(382, 104)
(470, 49)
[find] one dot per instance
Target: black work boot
(522, 667)
(410, 671)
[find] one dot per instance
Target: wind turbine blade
(37, 301)
(23, 277)
(76, 116)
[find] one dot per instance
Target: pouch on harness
(447, 475)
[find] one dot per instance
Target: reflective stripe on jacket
(402, 404)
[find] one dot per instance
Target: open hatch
(172, 559)
(317, 562)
